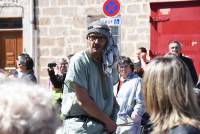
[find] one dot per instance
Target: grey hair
(26, 109)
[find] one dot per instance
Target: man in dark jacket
(198, 83)
(57, 79)
(175, 48)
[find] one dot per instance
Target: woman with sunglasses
(25, 68)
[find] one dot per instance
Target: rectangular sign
(112, 21)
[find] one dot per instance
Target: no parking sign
(111, 8)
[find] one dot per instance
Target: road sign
(112, 21)
(111, 8)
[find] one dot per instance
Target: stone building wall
(62, 27)
(135, 28)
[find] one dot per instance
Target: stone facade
(135, 29)
(62, 27)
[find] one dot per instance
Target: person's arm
(139, 106)
(115, 110)
(194, 73)
(191, 67)
(92, 109)
(143, 60)
(54, 79)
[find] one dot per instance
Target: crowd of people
(97, 91)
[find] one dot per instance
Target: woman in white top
(130, 98)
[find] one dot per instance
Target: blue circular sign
(111, 8)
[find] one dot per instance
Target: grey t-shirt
(88, 74)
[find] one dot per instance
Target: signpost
(111, 8)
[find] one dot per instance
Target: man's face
(63, 68)
(140, 54)
(20, 67)
(175, 48)
(97, 43)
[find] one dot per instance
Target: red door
(176, 21)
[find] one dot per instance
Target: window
(9, 23)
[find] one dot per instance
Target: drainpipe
(35, 37)
(34, 15)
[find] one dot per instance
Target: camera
(51, 65)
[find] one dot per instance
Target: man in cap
(175, 49)
(88, 103)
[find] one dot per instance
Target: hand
(136, 117)
(142, 56)
(110, 126)
(51, 71)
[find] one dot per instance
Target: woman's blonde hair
(169, 95)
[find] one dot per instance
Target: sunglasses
(174, 47)
(95, 37)
(123, 65)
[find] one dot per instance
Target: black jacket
(184, 129)
(57, 80)
(29, 76)
(198, 85)
(191, 68)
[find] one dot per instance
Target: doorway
(10, 47)
(178, 21)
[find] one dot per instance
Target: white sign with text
(112, 21)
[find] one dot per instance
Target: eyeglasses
(63, 64)
(19, 64)
(95, 37)
(174, 47)
(123, 65)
